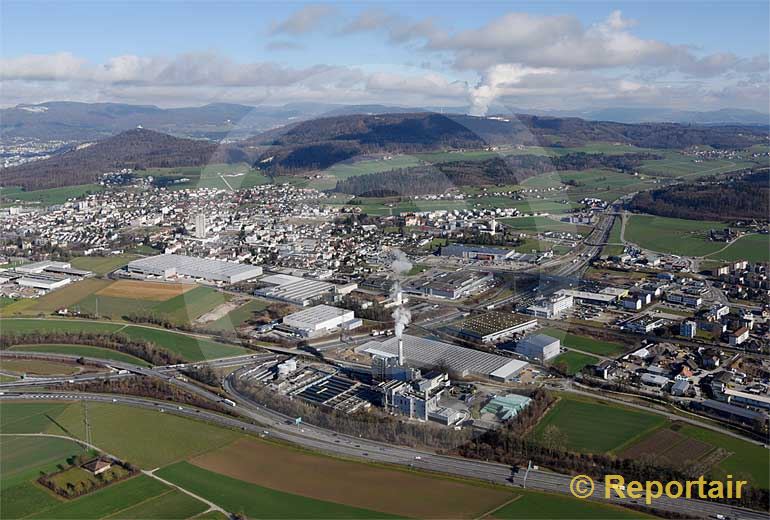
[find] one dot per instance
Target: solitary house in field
(97, 466)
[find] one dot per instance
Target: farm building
(320, 320)
(539, 346)
(428, 353)
(171, 266)
(492, 327)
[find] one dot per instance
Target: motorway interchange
(258, 420)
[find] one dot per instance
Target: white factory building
(300, 291)
(552, 307)
(321, 320)
(539, 346)
(428, 354)
(173, 266)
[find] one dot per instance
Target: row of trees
(119, 342)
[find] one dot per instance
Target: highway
(276, 426)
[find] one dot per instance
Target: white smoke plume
(497, 81)
(401, 315)
(401, 263)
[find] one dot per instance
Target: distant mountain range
(319, 143)
(136, 149)
(64, 120)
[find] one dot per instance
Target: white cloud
(305, 20)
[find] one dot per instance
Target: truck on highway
(229, 402)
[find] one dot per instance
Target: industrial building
(507, 406)
(552, 307)
(465, 362)
(415, 399)
(172, 266)
(55, 268)
(295, 290)
(589, 297)
(321, 320)
(448, 284)
(477, 252)
(539, 346)
(492, 327)
(43, 276)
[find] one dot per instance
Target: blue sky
(694, 55)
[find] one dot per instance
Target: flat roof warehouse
(428, 353)
(168, 266)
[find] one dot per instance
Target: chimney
(400, 352)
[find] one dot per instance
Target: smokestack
(400, 352)
(399, 298)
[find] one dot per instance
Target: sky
(483, 56)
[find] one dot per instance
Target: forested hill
(137, 149)
(319, 143)
(744, 198)
(438, 178)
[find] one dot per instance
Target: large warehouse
(295, 290)
(427, 353)
(320, 320)
(492, 327)
(539, 346)
(171, 266)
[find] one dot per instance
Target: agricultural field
(21, 460)
(615, 246)
(573, 361)
(669, 447)
(218, 176)
(237, 317)
(346, 170)
(48, 196)
(146, 438)
(101, 264)
(141, 290)
(672, 235)
(387, 206)
(589, 182)
(592, 426)
(745, 460)
(39, 367)
(421, 496)
(594, 346)
(676, 165)
(542, 224)
(82, 350)
(754, 248)
(188, 306)
(534, 505)
(257, 501)
(192, 348)
(67, 296)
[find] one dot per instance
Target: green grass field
(754, 248)
(147, 438)
(574, 361)
(188, 306)
(113, 307)
(82, 350)
(676, 165)
(101, 264)
(672, 235)
(192, 348)
(354, 169)
(533, 505)
(541, 224)
(384, 206)
(595, 427)
(594, 346)
(48, 196)
(217, 176)
(746, 460)
(256, 501)
(171, 504)
(237, 317)
(616, 247)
